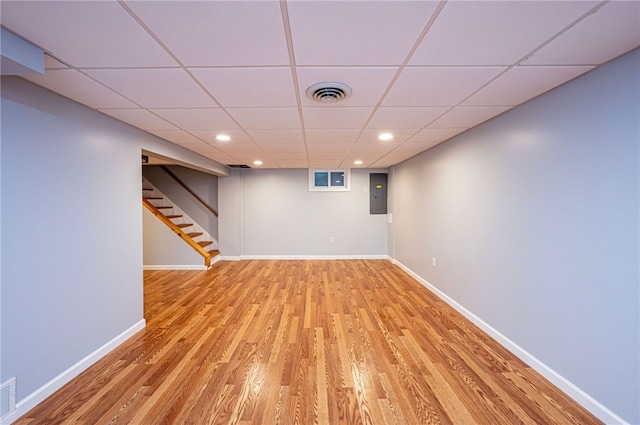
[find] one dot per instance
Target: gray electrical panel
(378, 193)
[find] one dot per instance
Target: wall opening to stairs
(180, 223)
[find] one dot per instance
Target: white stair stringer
(175, 210)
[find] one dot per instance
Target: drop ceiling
(424, 71)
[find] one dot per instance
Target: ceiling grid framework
(424, 71)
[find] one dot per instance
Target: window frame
(312, 180)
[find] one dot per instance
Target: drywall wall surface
(533, 218)
(162, 247)
(230, 214)
(281, 217)
(71, 233)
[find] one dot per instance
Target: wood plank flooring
(305, 342)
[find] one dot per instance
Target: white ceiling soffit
(424, 71)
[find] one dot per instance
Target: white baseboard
(572, 390)
(314, 257)
(230, 257)
(174, 267)
(39, 395)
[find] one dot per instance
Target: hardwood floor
(305, 342)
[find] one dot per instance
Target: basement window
(330, 180)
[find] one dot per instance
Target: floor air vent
(8, 397)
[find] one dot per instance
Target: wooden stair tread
(173, 216)
(164, 207)
(204, 243)
(194, 234)
(147, 188)
(183, 225)
(214, 252)
(152, 198)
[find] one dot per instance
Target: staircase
(170, 215)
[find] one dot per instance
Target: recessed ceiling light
(257, 162)
(358, 162)
(385, 136)
(223, 137)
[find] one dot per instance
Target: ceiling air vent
(328, 92)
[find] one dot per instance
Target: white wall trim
(230, 257)
(174, 267)
(314, 257)
(573, 391)
(39, 395)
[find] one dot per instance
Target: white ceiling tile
(367, 83)
(243, 153)
(324, 163)
(613, 30)
(468, 116)
(332, 136)
(178, 136)
(340, 148)
(85, 33)
(266, 118)
(415, 148)
(273, 148)
(209, 136)
(198, 118)
(140, 118)
(77, 86)
(222, 158)
(238, 52)
(349, 159)
(438, 86)
(287, 156)
(522, 83)
(249, 87)
(220, 33)
(211, 152)
(295, 163)
(392, 159)
(335, 117)
(327, 155)
(383, 163)
(52, 63)
(276, 136)
(364, 149)
(155, 88)
(436, 135)
(356, 32)
(239, 150)
(399, 136)
(494, 32)
(405, 117)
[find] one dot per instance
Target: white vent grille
(328, 92)
(7, 397)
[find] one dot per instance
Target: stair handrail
(184, 186)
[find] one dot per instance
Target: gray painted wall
(162, 247)
(281, 217)
(202, 184)
(71, 269)
(230, 214)
(534, 220)
(71, 231)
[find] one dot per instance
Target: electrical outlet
(433, 261)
